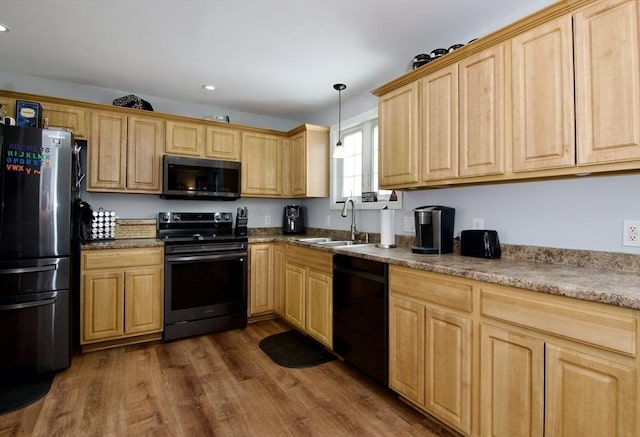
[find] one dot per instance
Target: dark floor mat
(15, 395)
(295, 350)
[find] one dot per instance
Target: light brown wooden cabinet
(125, 153)
(223, 143)
(306, 165)
(607, 52)
(261, 279)
(185, 138)
(278, 278)
(261, 165)
(67, 117)
(308, 292)
(121, 297)
(431, 343)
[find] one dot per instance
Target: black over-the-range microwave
(199, 178)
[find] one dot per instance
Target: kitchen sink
(315, 240)
(342, 243)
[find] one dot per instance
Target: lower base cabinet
(121, 296)
(308, 299)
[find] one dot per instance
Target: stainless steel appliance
(35, 250)
(198, 178)
(434, 229)
(205, 273)
(293, 219)
(360, 316)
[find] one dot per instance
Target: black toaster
(480, 243)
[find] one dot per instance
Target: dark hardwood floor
(214, 385)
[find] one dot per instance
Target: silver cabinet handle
(35, 269)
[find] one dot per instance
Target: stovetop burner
(196, 227)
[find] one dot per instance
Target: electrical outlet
(267, 219)
(478, 223)
(409, 224)
(631, 233)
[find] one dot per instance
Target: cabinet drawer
(581, 321)
(315, 259)
(122, 258)
(432, 287)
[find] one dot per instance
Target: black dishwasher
(360, 316)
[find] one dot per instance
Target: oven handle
(37, 303)
(239, 256)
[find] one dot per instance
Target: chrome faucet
(354, 231)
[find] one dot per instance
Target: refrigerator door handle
(19, 306)
(36, 269)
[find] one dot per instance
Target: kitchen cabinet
(308, 300)
(185, 138)
(431, 343)
(223, 143)
(261, 279)
(67, 117)
(121, 296)
(556, 366)
(306, 165)
(125, 151)
(607, 52)
(261, 165)
(542, 104)
(399, 159)
(278, 278)
(9, 105)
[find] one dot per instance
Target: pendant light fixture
(338, 151)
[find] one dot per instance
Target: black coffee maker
(293, 219)
(434, 229)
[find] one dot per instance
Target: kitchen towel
(387, 227)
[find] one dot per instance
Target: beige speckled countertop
(618, 288)
(128, 243)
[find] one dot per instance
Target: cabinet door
(542, 97)
(8, 105)
(278, 279)
(260, 279)
(511, 384)
(184, 138)
(607, 50)
(294, 295)
(319, 306)
(407, 348)
(448, 368)
(223, 143)
(398, 136)
(261, 165)
(67, 117)
(297, 165)
(482, 90)
(107, 152)
(143, 301)
(144, 150)
(588, 396)
(101, 304)
(439, 117)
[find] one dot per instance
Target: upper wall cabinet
(124, 153)
(67, 117)
(223, 143)
(543, 115)
(261, 165)
(185, 138)
(607, 51)
(554, 94)
(306, 163)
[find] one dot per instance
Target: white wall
(577, 213)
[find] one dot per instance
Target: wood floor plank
(220, 384)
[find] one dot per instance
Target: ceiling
(271, 57)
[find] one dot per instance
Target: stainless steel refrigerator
(35, 250)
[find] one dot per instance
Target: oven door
(205, 285)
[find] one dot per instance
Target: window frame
(336, 199)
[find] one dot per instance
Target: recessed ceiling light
(208, 87)
(4, 28)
